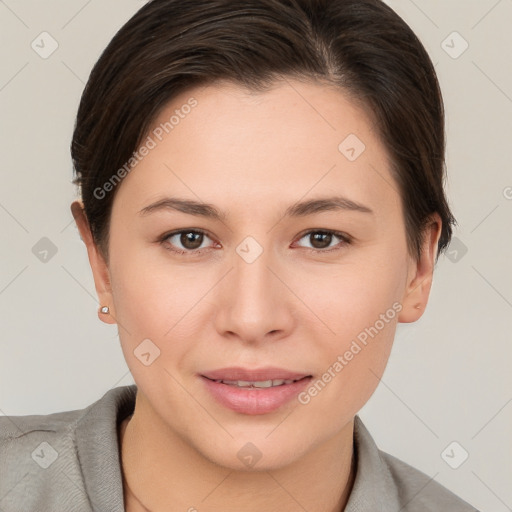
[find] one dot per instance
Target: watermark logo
(146, 352)
(456, 250)
(352, 147)
(455, 45)
(45, 455)
(44, 45)
(454, 455)
(249, 249)
(249, 455)
(44, 250)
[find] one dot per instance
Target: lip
(252, 401)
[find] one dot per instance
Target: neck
(163, 472)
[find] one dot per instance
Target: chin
(251, 456)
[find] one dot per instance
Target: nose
(254, 303)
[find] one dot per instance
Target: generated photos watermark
(355, 348)
(151, 142)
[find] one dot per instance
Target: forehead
(225, 142)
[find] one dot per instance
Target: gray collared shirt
(69, 462)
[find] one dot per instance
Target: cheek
(159, 303)
(353, 363)
(343, 300)
(359, 306)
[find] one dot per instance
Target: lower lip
(254, 400)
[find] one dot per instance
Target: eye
(187, 241)
(321, 240)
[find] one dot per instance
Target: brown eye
(322, 240)
(185, 241)
(191, 239)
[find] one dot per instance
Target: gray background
(448, 378)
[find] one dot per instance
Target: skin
(252, 156)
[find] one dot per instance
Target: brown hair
(361, 46)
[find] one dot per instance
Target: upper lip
(254, 375)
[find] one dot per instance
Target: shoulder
(385, 483)
(20, 427)
(43, 458)
(38, 459)
(420, 492)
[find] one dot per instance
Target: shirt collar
(98, 448)
(374, 488)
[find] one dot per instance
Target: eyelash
(345, 240)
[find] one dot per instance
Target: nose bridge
(252, 275)
(255, 304)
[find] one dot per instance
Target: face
(297, 267)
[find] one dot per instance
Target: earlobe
(420, 275)
(105, 315)
(99, 267)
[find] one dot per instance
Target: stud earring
(105, 310)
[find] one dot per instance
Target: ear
(99, 267)
(420, 273)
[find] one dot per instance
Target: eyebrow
(301, 209)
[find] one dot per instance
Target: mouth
(259, 375)
(253, 392)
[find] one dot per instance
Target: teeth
(256, 384)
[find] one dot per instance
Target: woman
(262, 202)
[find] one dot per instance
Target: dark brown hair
(361, 46)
